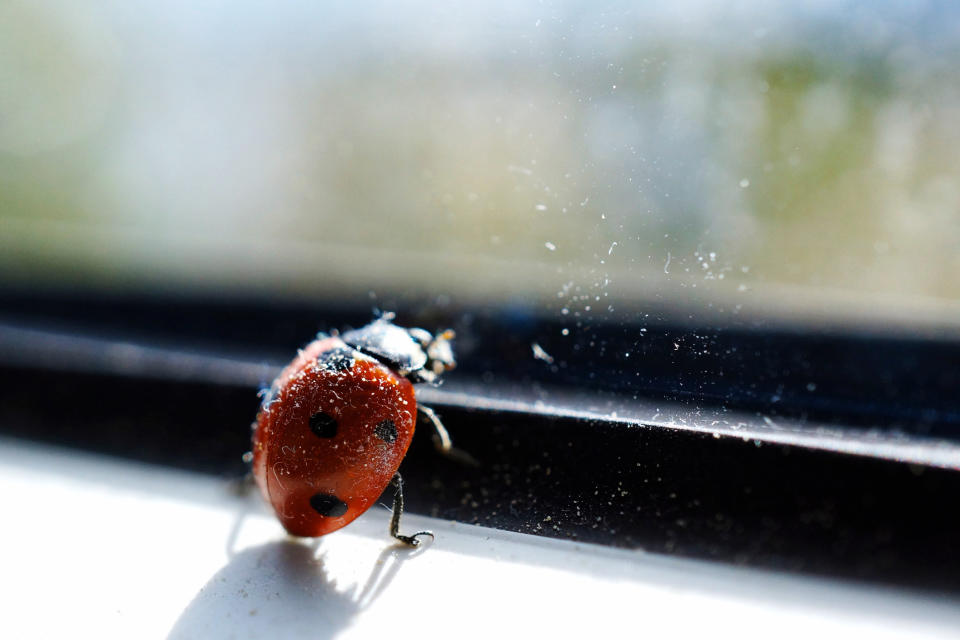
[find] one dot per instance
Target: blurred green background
(788, 160)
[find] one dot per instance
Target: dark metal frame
(798, 449)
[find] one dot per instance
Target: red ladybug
(337, 421)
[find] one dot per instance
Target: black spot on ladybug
(338, 360)
(386, 431)
(323, 425)
(327, 504)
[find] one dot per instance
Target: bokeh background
(771, 160)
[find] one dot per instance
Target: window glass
(787, 160)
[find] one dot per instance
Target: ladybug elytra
(337, 422)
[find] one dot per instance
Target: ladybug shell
(330, 436)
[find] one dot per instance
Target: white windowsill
(96, 547)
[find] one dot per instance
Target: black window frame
(831, 451)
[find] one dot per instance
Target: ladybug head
(415, 354)
(439, 352)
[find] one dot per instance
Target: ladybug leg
(441, 438)
(244, 484)
(397, 483)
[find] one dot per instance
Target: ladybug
(336, 423)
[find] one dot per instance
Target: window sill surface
(127, 550)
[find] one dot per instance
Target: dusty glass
(773, 160)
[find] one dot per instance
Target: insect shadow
(284, 589)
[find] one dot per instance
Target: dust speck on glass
(595, 161)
